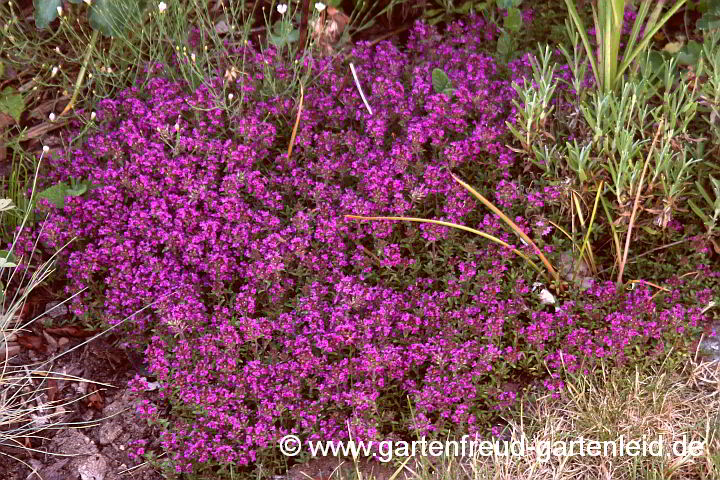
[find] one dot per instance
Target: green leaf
(2, 69)
(12, 103)
(513, 21)
(112, 17)
(440, 81)
(55, 194)
(77, 191)
(504, 4)
(699, 212)
(45, 12)
(649, 230)
(689, 54)
(7, 259)
(505, 45)
(708, 22)
(464, 9)
(704, 193)
(432, 12)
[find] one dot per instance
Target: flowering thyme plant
(289, 319)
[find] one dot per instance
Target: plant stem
(637, 202)
(81, 75)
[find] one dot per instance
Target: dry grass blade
(297, 121)
(623, 261)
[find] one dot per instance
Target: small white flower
(162, 6)
(192, 57)
(177, 127)
(46, 148)
(59, 10)
(319, 6)
(231, 96)
(57, 50)
(52, 117)
(87, 1)
(92, 116)
(282, 8)
(54, 71)
(546, 298)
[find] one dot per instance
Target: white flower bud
(282, 8)
(162, 6)
(319, 6)
(46, 148)
(52, 117)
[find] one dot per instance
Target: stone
(55, 310)
(93, 467)
(109, 431)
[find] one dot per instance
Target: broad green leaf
(505, 45)
(6, 263)
(506, 4)
(708, 22)
(7, 259)
(55, 194)
(45, 12)
(513, 21)
(440, 80)
(77, 191)
(10, 257)
(12, 103)
(689, 54)
(112, 17)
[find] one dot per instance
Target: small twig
(297, 121)
(357, 83)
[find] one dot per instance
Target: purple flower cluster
(284, 317)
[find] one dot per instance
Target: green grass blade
(457, 226)
(512, 224)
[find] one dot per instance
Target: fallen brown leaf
(71, 331)
(31, 342)
(52, 389)
(95, 401)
